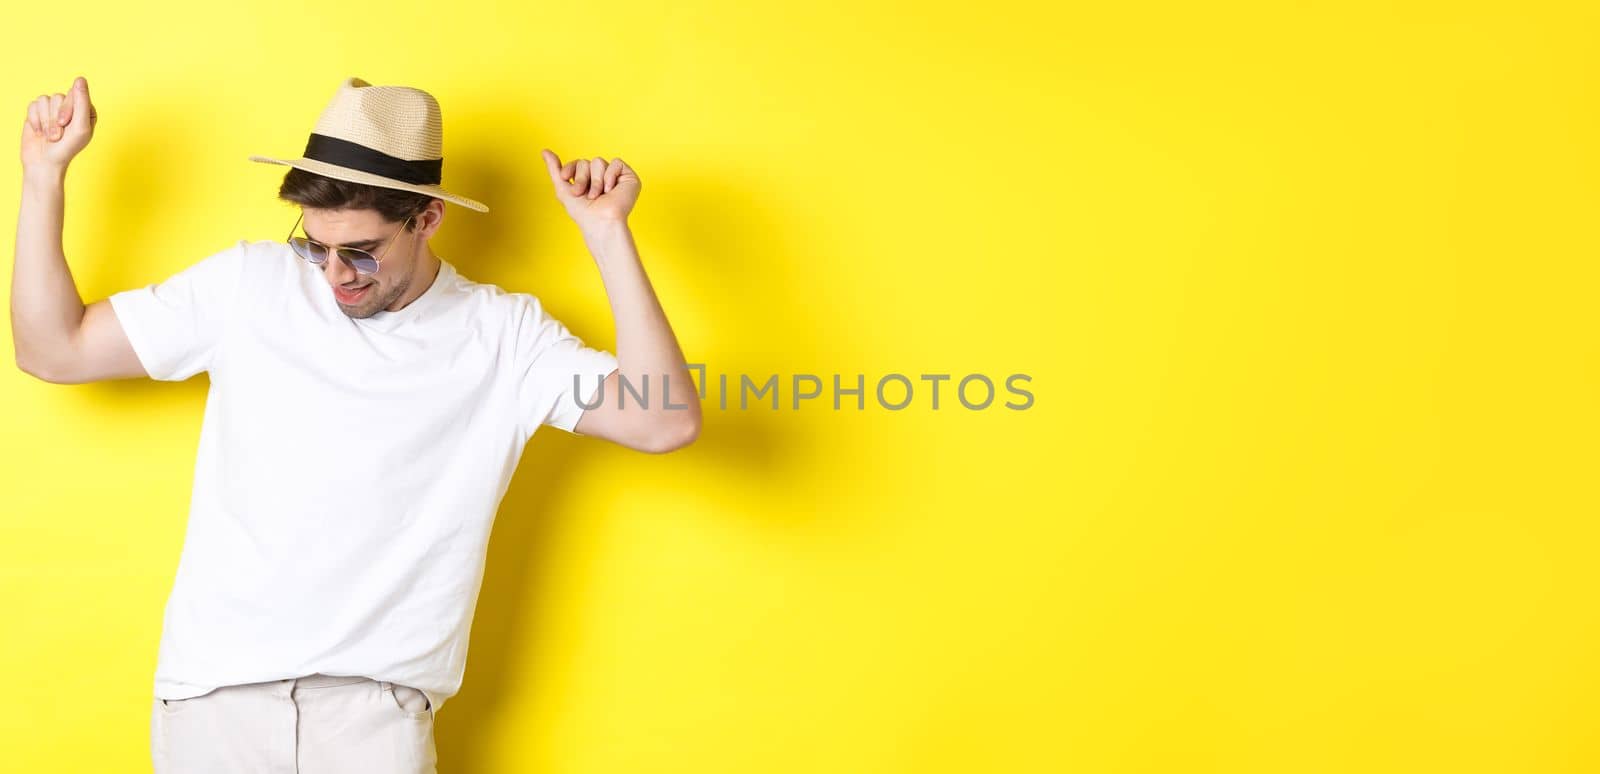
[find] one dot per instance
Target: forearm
(46, 309)
(646, 345)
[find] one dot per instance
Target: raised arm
(56, 337)
(599, 195)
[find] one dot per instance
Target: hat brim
(367, 178)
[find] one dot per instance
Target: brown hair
(325, 193)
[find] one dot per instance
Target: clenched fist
(58, 127)
(594, 191)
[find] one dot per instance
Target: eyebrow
(359, 245)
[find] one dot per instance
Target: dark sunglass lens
(361, 261)
(309, 250)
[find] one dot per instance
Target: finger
(72, 106)
(53, 114)
(80, 97)
(631, 176)
(570, 172)
(613, 171)
(552, 163)
(40, 104)
(580, 178)
(83, 105)
(33, 116)
(597, 176)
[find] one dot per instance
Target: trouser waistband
(320, 680)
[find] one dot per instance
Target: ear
(429, 219)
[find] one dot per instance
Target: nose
(337, 271)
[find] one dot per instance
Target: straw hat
(386, 136)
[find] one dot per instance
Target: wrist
(43, 175)
(603, 228)
(608, 241)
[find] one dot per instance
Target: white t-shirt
(348, 470)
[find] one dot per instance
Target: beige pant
(309, 725)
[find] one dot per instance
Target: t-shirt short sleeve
(177, 325)
(554, 368)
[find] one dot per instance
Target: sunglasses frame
(377, 260)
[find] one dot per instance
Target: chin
(361, 312)
(358, 312)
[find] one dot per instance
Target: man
(368, 406)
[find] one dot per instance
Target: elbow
(52, 377)
(37, 370)
(673, 436)
(52, 371)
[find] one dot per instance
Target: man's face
(363, 295)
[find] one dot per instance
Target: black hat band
(344, 153)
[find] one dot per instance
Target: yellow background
(1304, 288)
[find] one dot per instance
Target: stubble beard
(377, 304)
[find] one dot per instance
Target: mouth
(351, 296)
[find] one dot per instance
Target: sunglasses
(317, 253)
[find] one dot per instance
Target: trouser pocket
(411, 701)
